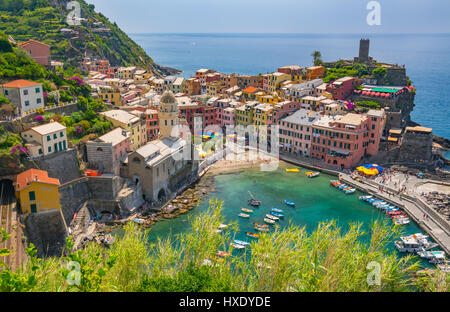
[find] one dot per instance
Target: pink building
(107, 152)
(296, 132)
(228, 117)
(342, 141)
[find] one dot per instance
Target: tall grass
(327, 260)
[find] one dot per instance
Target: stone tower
(364, 45)
(168, 117)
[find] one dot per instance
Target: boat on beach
(244, 215)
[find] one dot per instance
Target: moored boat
(221, 253)
(312, 174)
(254, 203)
(276, 214)
(269, 221)
(247, 210)
(262, 229)
(289, 203)
(277, 210)
(244, 215)
(237, 246)
(271, 217)
(293, 170)
(242, 243)
(252, 235)
(260, 225)
(350, 191)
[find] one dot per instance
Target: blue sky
(275, 16)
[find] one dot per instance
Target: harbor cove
(316, 201)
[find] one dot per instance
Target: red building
(38, 51)
(343, 87)
(197, 110)
(152, 124)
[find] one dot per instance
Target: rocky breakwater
(181, 204)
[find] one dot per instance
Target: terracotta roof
(30, 41)
(25, 178)
(20, 84)
(250, 90)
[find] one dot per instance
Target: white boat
(219, 231)
(365, 198)
(237, 246)
(438, 259)
(271, 217)
(239, 242)
(269, 221)
(444, 266)
(350, 191)
(414, 243)
(223, 226)
(402, 221)
(244, 215)
(430, 254)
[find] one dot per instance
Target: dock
(434, 225)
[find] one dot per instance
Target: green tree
(316, 56)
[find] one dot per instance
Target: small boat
(276, 214)
(271, 217)
(244, 215)
(312, 174)
(242, 243)
(430, 254)
(351, 191)
(219, 231)
(365, 198)
(237, 246)
(262, 229)
(269, 221)
(252, 235)
(292, 170)
(260, 225)
(223, 226)
(254, 203)
(289, 203)
(139, 221)
(399, 216)
(246, 210)
(221, 253)
(394, 213)
(277, 210)
(402, 221)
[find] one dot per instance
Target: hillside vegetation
(97, 37)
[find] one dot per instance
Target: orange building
(315, 72)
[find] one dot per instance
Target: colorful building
(342, 141)
(36, 192)
(314, 72)
(152, 124)
(25, 95)
(296, 132)
(110, 95)
(38, 51)
(121, 118)
(46, 139)
(343, 87)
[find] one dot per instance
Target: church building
(155, 164)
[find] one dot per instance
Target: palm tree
(316, 55)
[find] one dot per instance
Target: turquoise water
(316, 201)
(426, 57)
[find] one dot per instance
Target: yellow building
(269, 99)
(214, 88)
(274, 80)
(37, 192)
(244, 113)
(110, 95)
(121, 118)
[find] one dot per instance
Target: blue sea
(426, 56)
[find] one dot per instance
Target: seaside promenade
(422, 214)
